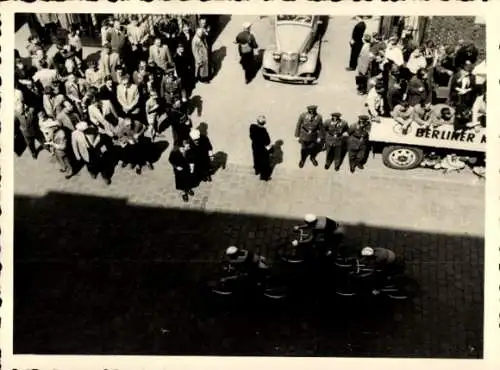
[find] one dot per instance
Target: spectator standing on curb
(246, 48)
(200, 154)
(261, 145)
(356, 43)
(357, 143)
(183, 170)
(363, 65)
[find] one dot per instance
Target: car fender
(268, 60)
(312, 60)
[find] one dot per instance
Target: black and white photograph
(281, 185)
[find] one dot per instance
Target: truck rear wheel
(402, 157)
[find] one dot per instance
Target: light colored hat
(194, 134)
(295, 243)
(82, 126)
(247, 25)
(367, 251)
(231, 250)
(310, 218)
(261, 119)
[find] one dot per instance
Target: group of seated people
(405, 83)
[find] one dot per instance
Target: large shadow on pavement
(100, 276)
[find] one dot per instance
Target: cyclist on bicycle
(322, 232)
(380, 260)
(244, 261)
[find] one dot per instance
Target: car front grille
(289, 64)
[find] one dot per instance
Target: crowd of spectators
(425, 84)
(99, 111)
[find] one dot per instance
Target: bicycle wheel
(344, 262)
(400, 288)
(346, 289)
(222, 287)
(276, 292)
(291, 255)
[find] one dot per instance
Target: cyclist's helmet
(367, 251)
(295, 243)
(310, 218)
(232, 251)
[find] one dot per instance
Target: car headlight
(303, 58)
(276, 56)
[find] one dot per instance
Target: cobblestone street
(120, 269)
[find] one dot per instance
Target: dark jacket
(183, 177)
(246, 38)
(309, 128)
(259, 136)
(27, 122)
(358, 32)
(333, 132)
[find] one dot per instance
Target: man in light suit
(75, 91)
(127, 95)
(103, 115)
(108, 62)
(160, 54)
(52, 101)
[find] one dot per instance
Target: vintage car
(295, 56)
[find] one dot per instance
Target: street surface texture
(121, 269)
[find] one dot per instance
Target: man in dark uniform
(335, 131)
(309, 132)
(261, 144)
(356, 43)
(357, 142)
(180, 122)
(200, 154)
(171, 89)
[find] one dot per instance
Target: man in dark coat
(357, 142)
(183, 170)
(261, 144)
(356, 43)
(180, 122)
(184, 66)
(309, 131)
(200, 154)
(335, 131)
(26, 120)
(467, 52)
(246, 46)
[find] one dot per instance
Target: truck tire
(402, 157)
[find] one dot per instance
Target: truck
(408, 151)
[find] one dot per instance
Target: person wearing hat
(381, 261)
(356, 43)
(93, 149)
(309, 132)
(261, 145)
(171, 88)
(357, 143)
(246, 262)
(335, 130)
(183, 169)
(246, 49)
(323, 233)
(201, 154)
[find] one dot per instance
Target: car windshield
(305, 19)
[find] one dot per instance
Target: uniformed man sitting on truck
(322, 232)
(403, 115)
